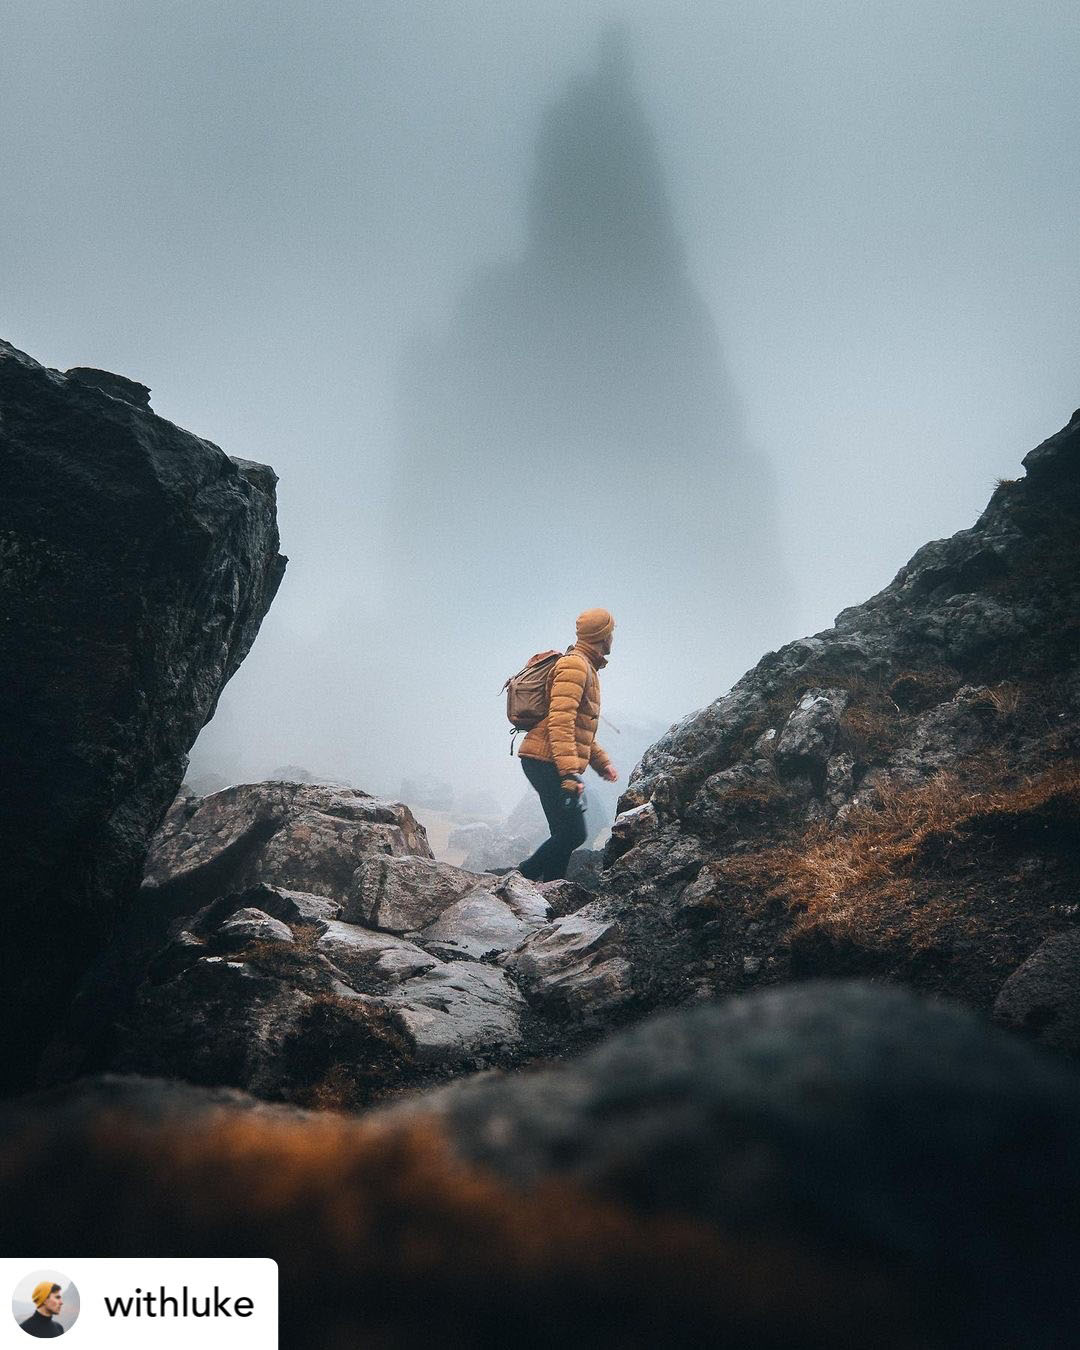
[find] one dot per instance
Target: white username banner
(106, 1302)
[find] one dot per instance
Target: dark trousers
(565, 818)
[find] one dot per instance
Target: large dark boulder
(835, 1117)
(136, 564)
(820, 1166)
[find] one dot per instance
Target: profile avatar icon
(46, 1296)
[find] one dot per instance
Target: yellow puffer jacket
(567, 735)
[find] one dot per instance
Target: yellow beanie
(594, 625)
(42, 1292)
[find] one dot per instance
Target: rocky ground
(300, 941)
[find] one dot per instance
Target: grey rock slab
(400, 894)
(574, 964)
(811, 728)
(364, 956)
(290, 907)
(302, 837)
(529, 900)
(459, 1010)
(300, 907)
(479, 924)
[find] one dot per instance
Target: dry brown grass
(861, 881)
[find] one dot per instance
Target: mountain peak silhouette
(573, 438)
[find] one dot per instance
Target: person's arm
(600, 761)
(567, 691)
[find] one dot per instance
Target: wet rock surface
(269, 908)
(573, 965)
(136, 564)
(233, 994)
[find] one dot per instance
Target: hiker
(557, 750)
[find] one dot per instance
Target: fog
(710, 315)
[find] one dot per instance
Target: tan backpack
(528, 691)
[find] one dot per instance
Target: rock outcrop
(136, 564)
(898, 795)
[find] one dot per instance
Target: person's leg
(568, 834)
(544, 778)
(565, 818)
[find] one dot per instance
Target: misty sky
(259, 209)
